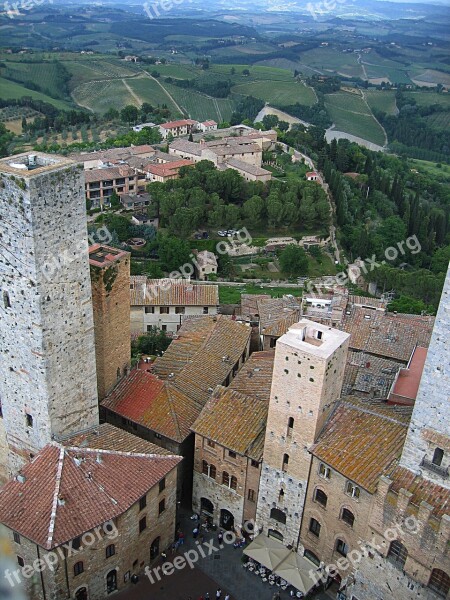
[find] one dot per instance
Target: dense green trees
(293, 261)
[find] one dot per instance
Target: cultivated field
(331, 60)
(351, 114)
(199, 106)
(278, 92)
(11, 89)
(428, 98)
(381, 100)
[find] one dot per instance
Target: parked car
(222, 233)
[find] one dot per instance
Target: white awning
(267, 551)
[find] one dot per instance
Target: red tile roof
(68, 490)
(407, 384)
(167, 169)
(171, 292)
(180, 123)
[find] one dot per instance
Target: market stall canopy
(295, 569)
(267, 551)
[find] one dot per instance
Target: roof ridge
(121, 452)
(172, 409)
(51, 528)
(377, 414)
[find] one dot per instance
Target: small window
(312, 557)
(162, 506)
(439, 582)
(231, 454)
(314, 527)
(348, 517)
(225, 478)
(163, 327)
(180, 310)
(149, 310)
(162, 485)
(78, 568)
(233, 482)
(273, 342)
(251, 495)
(110, 550)
(321, 497)
(397, 554)
(290, 427)
(142, 524)
(285, 462)
(76, 543)
(324, 471)
(20, 561)
(341, 547)
(210, 443)
(29, 420)
(255, 464)
(352, 490)
(142, 502)
(205, 310)
(163, 310)
(16, 537)
(6, 300)
(437, 457)
(278, 515)
(209, 470)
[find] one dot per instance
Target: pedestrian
(220, 537)
(195, 532)
(207, 596)
(227, 597)
(219, 594)
(181, 538)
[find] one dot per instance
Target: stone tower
(307, 380)
(48, 384)
(427, 446)
(110, 280)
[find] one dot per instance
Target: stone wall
(132, 551)
(47, 374)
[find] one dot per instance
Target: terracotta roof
(172, 292)
(276, 315)
(366, 375)
(407, 384)
(108, 173)
(247, 167)
(205, 257)
(167, 169)
(209, 123)
(255, 377)
(186, 146)
(153, 403)
(235, 421)
(249, 303)
(68, 491)
(388, 335)
(108, 437)
(180, 123)
(362, 440)
(422, 490)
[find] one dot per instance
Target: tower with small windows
(307, 381)
(427, 447)
(48, 386)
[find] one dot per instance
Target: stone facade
(307, 379)
(110, 280)
(167, 318)
(240, 502)
(427, 446)
(48, 381)
(132, 551)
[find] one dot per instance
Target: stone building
(415, 496)
(229, 439)
(307, 379)
(65, 551)
(205, 264)
(110, 281)
(46, 318)
(167, 303)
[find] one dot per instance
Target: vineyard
(280, 92)
(382, 100)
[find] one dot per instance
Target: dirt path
(135, 96)
(165, 91)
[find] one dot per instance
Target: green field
(232, 294)
(201, 107)
(149, 90)
(428, 98)
(42, 74)
(439, 121)
(84, 70)
(430, 168)
(10, 90)
(382, 100)
(278, 92)
(392, 74)
(332, 60)
(351, 114)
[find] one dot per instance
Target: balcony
(430, 466)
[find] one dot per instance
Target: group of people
(218, 596)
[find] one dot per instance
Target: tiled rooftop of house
(67, 491)
(407, 384)
(188, 147)
(276, 315)
(171, 292)
(108, 437)
(255, 377)
(388, 335)
(235, 421)
(167, 169)
(368, 376)
(422, 490)
(107, 173)
(363, 440)
(180, 123)
(247, 167)
(101, 256)
(205, 257)
(249, 304)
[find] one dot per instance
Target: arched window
(437, 457)
(321, 497)
(111, 581)
(290, 427)
(348, 517)
(439, 583)
(314, 527)
(208, 469)
(273, 533)
(312, 557)
(397, 554)
(225, 478)
(285, 462)
(78, 568)
(352, 490)
(341, 547)
(278, 515)
(233, 482)
(110, 550)
(212, 471)
(81, 594)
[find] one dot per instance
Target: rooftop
(276, 315)
(255, 377)
(235, 421)
(180, 123)
(29, 164)
(306, 334)
(363, 440)
(104, 173)
(102, 256)
(247, 167)
(171, 292)
(367, 375)
(408, 380)
(66, 491)
(186, 146)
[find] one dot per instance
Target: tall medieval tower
(48, 385)
(307, 380)
(427, 445)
